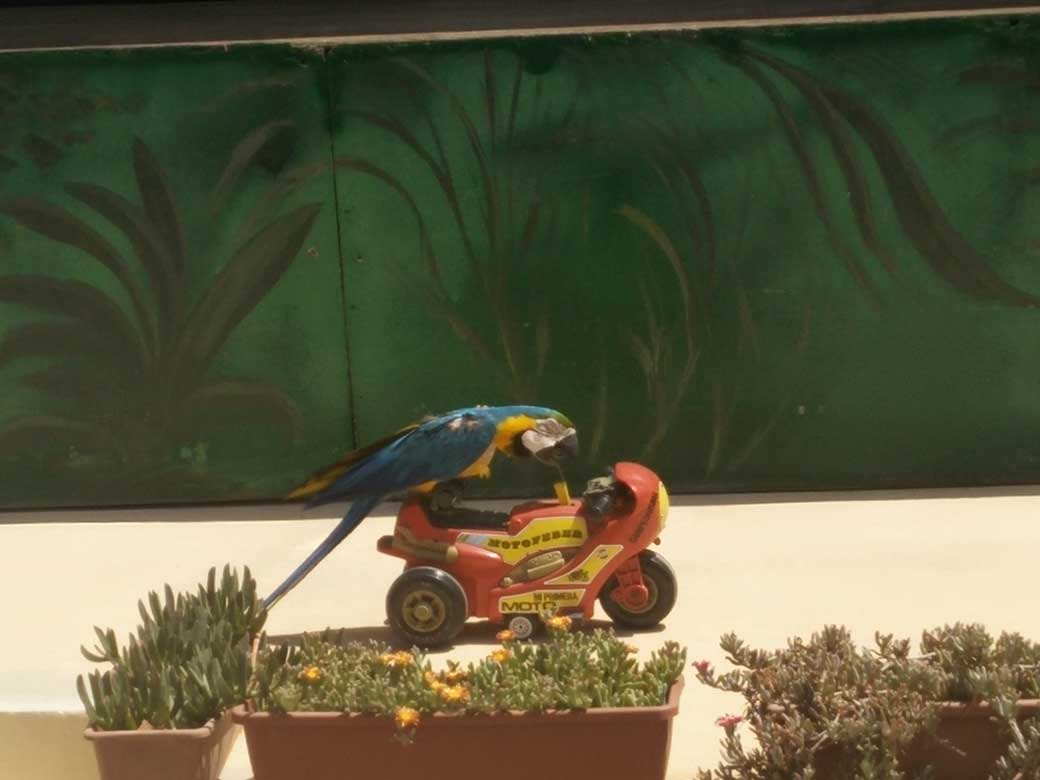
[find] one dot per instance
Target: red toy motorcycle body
(554, 557)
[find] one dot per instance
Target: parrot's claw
(446, 495)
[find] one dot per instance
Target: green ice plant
(186, 663)
(857, 709)
(975, 667)
(1022, 759)
(570, 671)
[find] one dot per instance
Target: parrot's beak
(552, 447)
(567, 447)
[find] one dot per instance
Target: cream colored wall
(767, 569)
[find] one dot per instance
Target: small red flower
(703, 667)
(729, 722)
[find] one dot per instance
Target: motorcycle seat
(465, 517)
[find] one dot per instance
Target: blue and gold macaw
(455, 445)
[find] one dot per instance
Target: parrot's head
(538, 432)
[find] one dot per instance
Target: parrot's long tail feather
(358, 511)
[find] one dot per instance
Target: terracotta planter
(603, 743)
(974, 740)
(164, 754)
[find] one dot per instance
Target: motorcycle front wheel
(663, 588)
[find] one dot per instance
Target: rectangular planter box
(973, 743)
(164, 754)
(629, 743)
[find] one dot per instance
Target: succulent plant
(867, 706)
(1022, 759)
(576, 670)
(187, 662)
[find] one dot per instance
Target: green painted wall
(758, 259)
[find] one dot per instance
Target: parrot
(455, 445)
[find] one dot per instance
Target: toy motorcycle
(554, 557)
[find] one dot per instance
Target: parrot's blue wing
(320, 482)
(437, 450)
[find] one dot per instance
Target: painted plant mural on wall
(131, 399)
(754, 259)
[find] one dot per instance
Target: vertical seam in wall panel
(330, 129)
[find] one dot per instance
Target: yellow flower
(406, 718)
(501, 655)
(559, 623)
(631, 649)
(456, 694)
(396, 660)
(505, 637)
(311, 674)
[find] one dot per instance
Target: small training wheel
(522, 626)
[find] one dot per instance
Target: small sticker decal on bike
(540, 601)
(541, 534)
(590, 567)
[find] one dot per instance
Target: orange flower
(501, 655)
(559, 623)
(311, 674)
(631, 649)
(456, 694)
(396, 660)
(506, 636)
(406, 718)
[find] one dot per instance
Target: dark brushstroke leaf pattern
(153, 256)
(243, 156)
(949, 253)
(982, 127)
(57, 338)
(922, 219)
(43, 152)
(85, 384)
(78, 300)
(810, 175)
(60, 225)
(1001, 74)
(243, 283)
(840, 137)
(159, 202)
